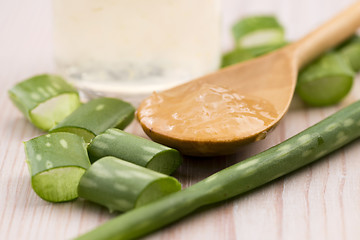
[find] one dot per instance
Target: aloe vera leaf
(351, 52)
(240, 54)
(56, 162)
(96, 116)
(257, 31)
(121, 186)
(304, 148)
(45, 99)
(325, 81)
(134, 149)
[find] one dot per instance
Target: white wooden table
(320, 201)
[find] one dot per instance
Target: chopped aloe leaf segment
(325, 81)
(45, 100)
(134, 149)
(56, 162)
(236, 56)
(351, 52)
(121, 186)
(258, 31)
(240, 55)
(296, 152)
(96, 116)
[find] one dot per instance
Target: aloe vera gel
(135, 46)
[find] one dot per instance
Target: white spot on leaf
(247, 164)
(38, 157)
(284, 149)
(331, 127)
(348, 122)
(48, 144)
(99, 107)
(121, 187)
(123, 174)
(64, 143)
(35, 96)
(56, 85)
(340, 138)
(51, 90)
(304, 139)
(43, 92)
(49, 164)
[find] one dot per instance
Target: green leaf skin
(240, 54)
(121, 186)
(325, 81)
(134, 149)
(236, 56)
(56, 162)
(34, 93)
(294, 153)
(351, 52)
(96, 116)
(257, 31)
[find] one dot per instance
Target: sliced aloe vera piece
(236, 56)
(56, 162)
(96, 116)
(325, 81)
(351, 51)
(258, 31)
(134, 149)
(45, 99)
(121, 186)
(240, 54)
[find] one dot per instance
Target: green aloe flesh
(45, 100)
(96, 116)
(121, 186)
(325, 81)
(240, 54)
(294, 153)
(58, 184)
(258, 31)
(56, 162)
(351, 52)
(134, 149)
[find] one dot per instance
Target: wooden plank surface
(320, 201)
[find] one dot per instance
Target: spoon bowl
(218, 113)
(219, 92)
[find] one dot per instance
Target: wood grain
(320, 201)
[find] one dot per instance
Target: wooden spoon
(217, 113)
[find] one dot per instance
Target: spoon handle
(328, 35)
